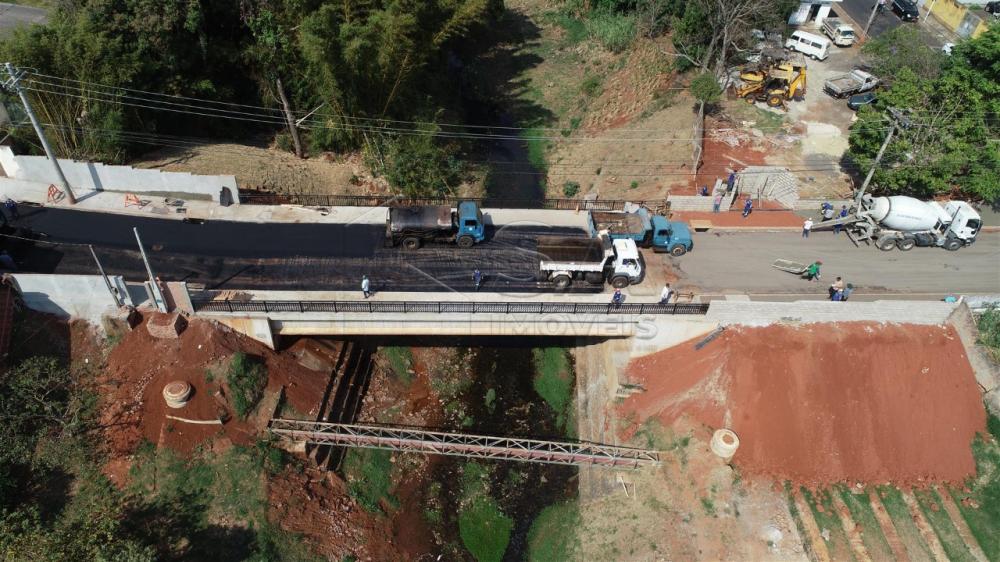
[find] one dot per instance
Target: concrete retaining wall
(68, 296)
(756, 313)
(690, 203)
(99, 177)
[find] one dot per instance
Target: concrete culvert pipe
(177, 393)
(724, 444)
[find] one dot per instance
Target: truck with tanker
(413, 226)
(646, 228)
(568, 260)
(904, 222)
(854, 82)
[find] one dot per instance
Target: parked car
(947, 47)
(809, 44)
(906, 10)
(993, 8)
(857, 100)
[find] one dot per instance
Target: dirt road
(741, 262)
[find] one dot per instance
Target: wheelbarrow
(791, 267)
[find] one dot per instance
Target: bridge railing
(324, 200)
(446, 307)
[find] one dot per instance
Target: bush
(705, 88)
(571, 188)
(37, 399)
(553, 533)
(369, 477)
(419, 166)
(554, 380)
(614, 32)
(247, 379)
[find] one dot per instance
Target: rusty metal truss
(461, 444)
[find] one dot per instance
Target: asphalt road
(13, 15)
(238, 255)
(860, 10)
(741, 262)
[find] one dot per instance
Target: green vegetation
(989, 335)
(554, 381)
(862, 514)
(401, 360)
(615, 32)
(934, 512)
(490, 399)
(821, 506)
(552, 537)
(369, 477)
(419, 165)
(484, 528)
(981, 505)
(591, 86)
(247, 379)
(571, 188)
(950, 141)
(537, 146)
(899, 512)
(705, 88)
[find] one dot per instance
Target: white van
(814, 46)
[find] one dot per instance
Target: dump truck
(414, 226)
(854, 82)
(565, 260)
(904, 222)
(646, 228)
(772, 83)
(839, 32)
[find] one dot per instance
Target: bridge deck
(466, 445)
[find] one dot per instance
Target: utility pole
(291, 120)
(154, 288)
(878, 5)
(107, 281)
(898, 120)
(15, 83)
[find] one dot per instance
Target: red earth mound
(825, 403)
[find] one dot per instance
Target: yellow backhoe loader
(773, 84)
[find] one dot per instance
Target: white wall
(75, 296)
(759, 313)
(100, 177)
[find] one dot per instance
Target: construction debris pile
(819, 404)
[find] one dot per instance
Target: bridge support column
(257, 328)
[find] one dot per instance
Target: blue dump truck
(647, 229)
(412, 227)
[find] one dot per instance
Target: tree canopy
(950, 141)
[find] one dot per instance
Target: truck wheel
(905, 244)
(411, 243)
(952, 244)
(885, 243)
(619, 282)
(774, 101)
(678, 250)
(465, 241)
(562, 282)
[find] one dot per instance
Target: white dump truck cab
(626, 262)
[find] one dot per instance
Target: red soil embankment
(825, 403)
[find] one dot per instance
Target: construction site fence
(321, 200)
(461, 307)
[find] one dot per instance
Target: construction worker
(812, 272)
(846, 292)
(842, 215)
(836, 287)
(747, 207)
(717, 202)
(828, 213)
(11, 207)
(806, 227)
(366, 286)
(665, 294)
(477, 278)
(617, 298)
(7, 262)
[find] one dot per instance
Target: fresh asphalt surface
(240, 255)
(741, 263)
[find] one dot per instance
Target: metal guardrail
(460, 444)
(462, 307)
(321, 200)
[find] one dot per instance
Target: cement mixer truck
(904, 222)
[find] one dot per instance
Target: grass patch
(615, 32)
(369, 477)
(894, 505)
(571, 188)
(537, 146)
(552, 537)
(484, 528)
(989, 333)
(401, 361)
(862, 514)
(983, 516)
(827, 518)
(575, 29)
(591, 86)
(954, 547)
(247, 379)
(554, 380)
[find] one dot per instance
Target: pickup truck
(412, 226)
(839, 32)
(854, 82)
(567, 259)
(648, 230)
